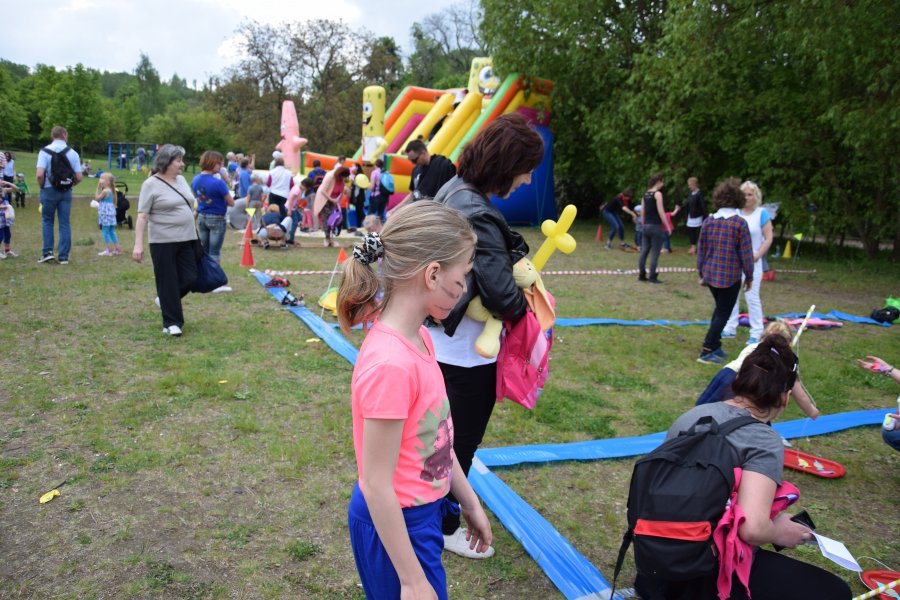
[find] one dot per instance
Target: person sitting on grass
(273, 227)
(890, 430)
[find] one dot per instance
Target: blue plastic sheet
(560, 322)
(835, 314)
(323, 330)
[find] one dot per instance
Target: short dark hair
(317, 163)
(728, 194)
(379, 163)
(341, 172)
(628, 193)
(505, 149)
(245, 162)
(307, 182)
(768, 372)
(654, 179)
(415, 146)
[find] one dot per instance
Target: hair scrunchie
(370, 250)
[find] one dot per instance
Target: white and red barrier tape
(274, 273)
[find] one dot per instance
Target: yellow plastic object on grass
(328, 300)
(49, 496)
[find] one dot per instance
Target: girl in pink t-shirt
(402, 429)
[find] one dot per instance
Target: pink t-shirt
(392, 379)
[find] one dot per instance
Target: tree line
(798, 96)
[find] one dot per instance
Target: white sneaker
(12, 253)
(173, 330)
(457, 543)
(105, 253)
(2, 255)
(156, 300)
(220, 289)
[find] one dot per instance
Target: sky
(193, 38)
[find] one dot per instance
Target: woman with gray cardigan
(165, 208)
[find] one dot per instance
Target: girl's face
(448, 286)
(523, 179)
(749, 199)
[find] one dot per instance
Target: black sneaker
(47, 258)
(654, 280)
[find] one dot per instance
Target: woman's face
(523, 179)
(176, 166)
(450, 286)
(749, 199)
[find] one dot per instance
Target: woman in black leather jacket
(497, 161)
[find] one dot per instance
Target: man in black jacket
(430, 172)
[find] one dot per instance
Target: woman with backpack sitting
(761, 390)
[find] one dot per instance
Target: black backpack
(62, 175)
(888, 314)
(677, 496)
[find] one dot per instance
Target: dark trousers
(773, 576)
(725, 299)
(360, 205)
(651, 244)
(472, 392)
(280, 201)
(175, 268)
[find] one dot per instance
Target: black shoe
(130, 223)
(654, 280)
(642, 277)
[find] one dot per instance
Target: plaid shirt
(724, 250)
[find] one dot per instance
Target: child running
(402, 429)
(106, 213)
(720, 387)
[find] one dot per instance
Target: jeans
(616, 227)
(891, 438)
(211, 229)
(652, 244)
(296, 216)
(472, 395)
(725, 299)
(638, 235)
(54, 201)
(754, 306)
(5, 236)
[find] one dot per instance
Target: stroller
(122, 205)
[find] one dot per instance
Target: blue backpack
(387, 183)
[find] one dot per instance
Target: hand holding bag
(210, 275)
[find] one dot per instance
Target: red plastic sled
(814, 465)
(873, 579)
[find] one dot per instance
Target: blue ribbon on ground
(317, 325)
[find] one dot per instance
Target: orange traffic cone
(599, 232)
(247, 258)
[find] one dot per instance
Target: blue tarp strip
(633, 446)
(560, 322)
(323, 330)
(566, 567)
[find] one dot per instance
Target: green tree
(13, 118)
(76, 103)
(148, 84)
(195, 128)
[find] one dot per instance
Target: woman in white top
(760, 223)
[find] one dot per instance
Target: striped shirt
(725, 250)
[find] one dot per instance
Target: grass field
(219, 465)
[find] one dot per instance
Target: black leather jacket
(497, 250)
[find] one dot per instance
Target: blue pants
(211, 229)
(5, 235)
(891, 438)
(54, 201)
(616, 227)
(377, 573)
(296, 218)
(719, 388)
(109, 234)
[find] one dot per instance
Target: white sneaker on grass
(457, 543)
(11, 253)
(221, 289)
(173, 330)
(156, 301)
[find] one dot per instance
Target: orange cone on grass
(600, 232)
(247, 258)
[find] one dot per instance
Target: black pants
(280, 201)
(693, 235)
(773, 576)
(175, 268)
(360, 204)
(725, 299)
(472, 392)
(651, 244)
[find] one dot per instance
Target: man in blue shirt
(56, 201)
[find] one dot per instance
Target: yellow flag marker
(798, 236)
(49, 496)
(250, 211)
(557, 237)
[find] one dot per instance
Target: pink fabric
(395, 380)
(736, 555)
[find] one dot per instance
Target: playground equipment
(460, 114)
(124, 156)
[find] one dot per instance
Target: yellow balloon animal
(527, 276)
(373, 142)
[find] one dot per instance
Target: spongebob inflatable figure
(482, 78)
(373, 142)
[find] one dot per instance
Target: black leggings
(472, 392)
(725, 299)
(773, 577)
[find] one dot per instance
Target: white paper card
(837, 552)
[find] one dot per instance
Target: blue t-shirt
(210, 193)
(317, 175)
(244, 182)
